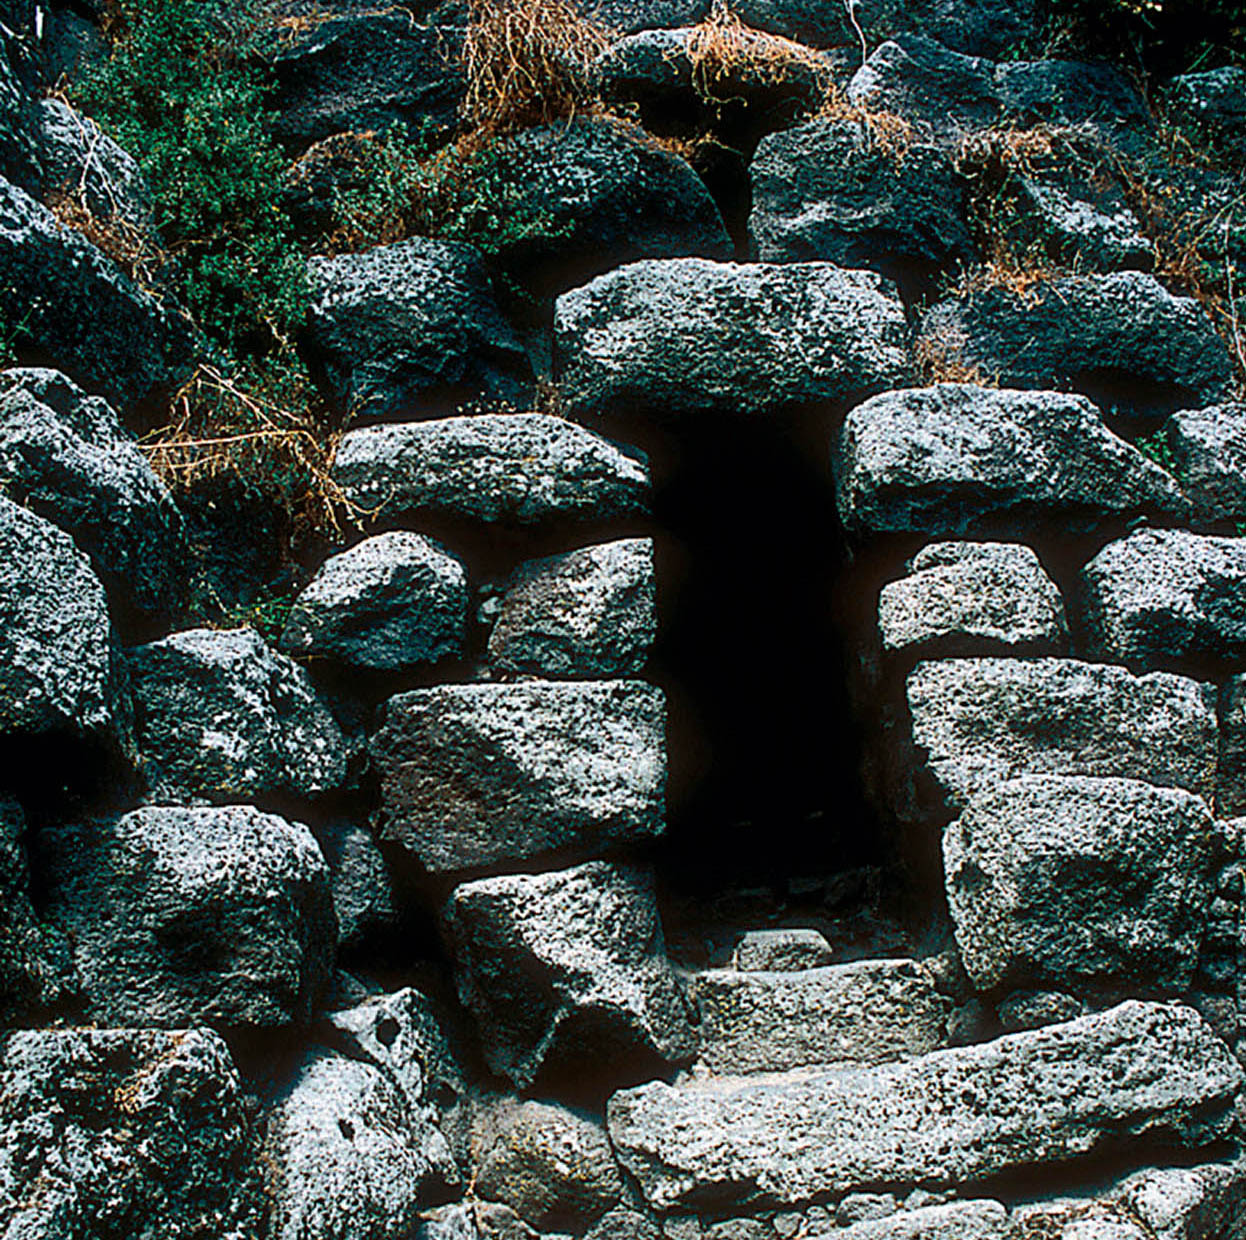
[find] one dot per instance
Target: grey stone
(959, 1220)
(64, 455)
(370, 69)
(868, 1011)
(1080, 883)
(348, 1158)
(690, 335)
(521, 469)
(61, 671)
(1032, 1009)
(781, 951)
(981, 721)
(1231, 771)
(1075, 1219)
(1208, 452)
(589, 612)
(1082, 332)
(77, 309)
(629, 16)
(411, 330)
(828, 190)
(223, 717)
(1213, 103)
(973, 598)
(124, 1134)
(864, 1208)
(567, 969)
(953, 1118)
(220, 916)
(604, 193)
(364, 901)
(624, 1223)
(19, 146)
(955, 459)
(1205, 1202)
(392, 603)
(1070, 93)
(1165, 597)
(552, 1165)
(486, 774)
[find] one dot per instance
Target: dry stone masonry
(759, 752)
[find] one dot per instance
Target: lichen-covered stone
(223, 717)
(690, 335)
(956, 459)
(953, 1118)
(1080, 883)
(519, 469)
(393, 602)
(180, 916)
(567, 972)
(589, 612)
(485, 775)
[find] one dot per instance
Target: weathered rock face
(954, 459)
(864, 1012)
(584, 613)
(954, 1117)
(348, 1158)
(1076, 882)
(88, 319)
(981, 721)
(64, 455)
(411, 330)
(604, 193)
(552, 1165)
(1164, 597)
(182, 916)
(61, 674)
(1090, 333)
(689, 335)
(567, 971)
(125, 1134)
(1214, 102)
(964, 598)
(364, 900)
(521, 469)
(1208, 448)
(475, 776)
(1231, 771)
(781, 951)
(364, 70)
(222, 717)
(394, 602)
(19, 148)
(829, 190)
(959, 1220)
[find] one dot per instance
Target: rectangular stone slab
(951, 1118)
(864, 1012)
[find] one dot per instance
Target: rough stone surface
(690, 335)
(605, 194)
(1214, 104)
(1091, 333)
(981, 721)
(364, 70)
(952, 1118)
(520, 469)
(364, 900)
(1231, 771)
(1032, 1009)
(624, 1223)
(347, 1158)
(958, 1220)
(782, 951)
(1163, 597)
(955, 459)
(180, 916)
(391, 603)
(481, 775)
(81, 313)
(567, 970)
(64, 455)
(552, 1165)
(1080, 883)
(1208, 448)
(60, 670)
(1205, 1202)
(827, 190)
(222, 717)
(123, 1134)
(865, 1012)
(19, 146)
(411, 330)
(589, 612)
(973, 598)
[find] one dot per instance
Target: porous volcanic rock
(1208, 450)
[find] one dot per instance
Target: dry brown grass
(887, 131)
(527, 62)
(940, 358)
